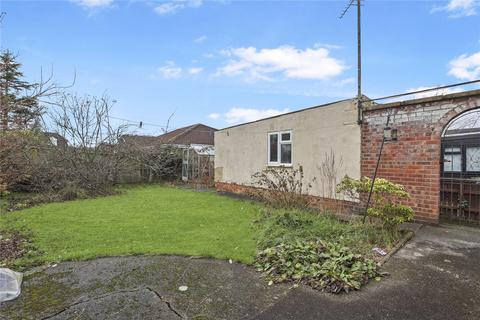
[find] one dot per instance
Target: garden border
(411, 229)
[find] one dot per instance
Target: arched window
(465, 124)
(460, 176)
(461, 144)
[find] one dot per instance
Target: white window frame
(278, 163)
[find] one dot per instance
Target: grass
(167, 220)
(141, 220)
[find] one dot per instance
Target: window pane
(452, 150)
(467, 123)
(285, 136)
(473, 159)
(286, 153)
(452, 162)
(273, 148)
(184, 170)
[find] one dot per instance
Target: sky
(226, 62)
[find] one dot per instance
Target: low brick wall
(335, 206)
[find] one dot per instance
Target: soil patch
(12, 246)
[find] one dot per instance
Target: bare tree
(99, 154)
(93, 157)
(330, 169)
(157, 161)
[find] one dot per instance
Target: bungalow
(435, 154)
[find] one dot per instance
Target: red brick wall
(414, 160)
(340, 207)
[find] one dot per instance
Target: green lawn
(166, 220)
(141, 220)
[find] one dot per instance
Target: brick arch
(451, 115)
(414, 159)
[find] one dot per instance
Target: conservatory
(197, 164)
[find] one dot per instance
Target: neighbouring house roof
(194, 134)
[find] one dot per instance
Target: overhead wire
(140, 123)
(426, 90)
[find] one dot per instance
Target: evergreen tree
(19, 108)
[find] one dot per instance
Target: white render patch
(426, 112)
(399, 116)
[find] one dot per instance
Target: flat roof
(287, 113)
(375, 106)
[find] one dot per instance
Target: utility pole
(359, 63)
(359, 54)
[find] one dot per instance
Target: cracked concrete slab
(135, 304)
(435, 276)
(143, 287)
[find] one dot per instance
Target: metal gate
(460, 172)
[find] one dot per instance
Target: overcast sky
(226, 62)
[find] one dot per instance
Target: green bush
(386, 202)
(323, 265)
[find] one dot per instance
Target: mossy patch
(42, 295)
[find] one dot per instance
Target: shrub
(320, 264)
(385, 202)
(276, 226)
(18, 148)
(158, 162)
(283, 187)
